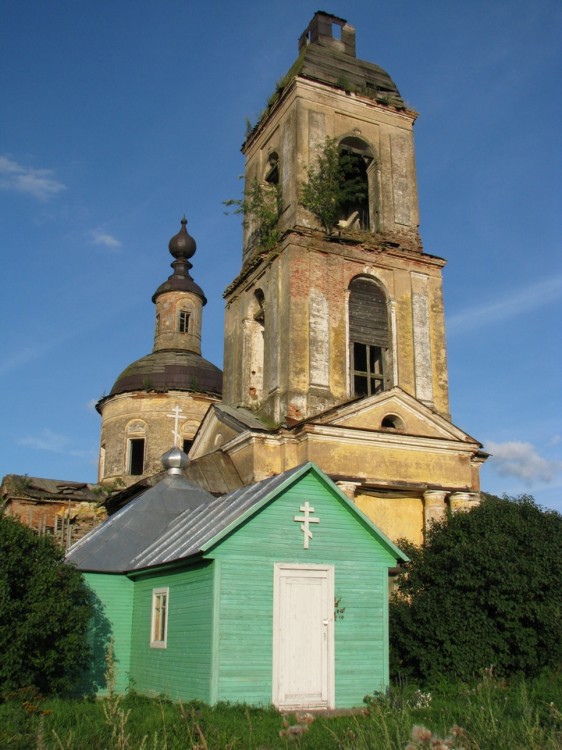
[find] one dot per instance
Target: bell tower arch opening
(357, 164)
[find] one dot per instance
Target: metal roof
(41, 489)
(112, 546)
(169, 369)
(168, 522)
(175, 520)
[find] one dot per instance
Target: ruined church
(335, 347)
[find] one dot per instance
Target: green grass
(493, 715)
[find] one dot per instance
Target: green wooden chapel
(274, 594)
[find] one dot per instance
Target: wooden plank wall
(183, 668)
(115, 596)
(246, 595)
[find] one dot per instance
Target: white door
(303, 636)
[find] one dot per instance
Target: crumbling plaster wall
(297, 129)
(167, 334)
(306, 357)
(146, 415)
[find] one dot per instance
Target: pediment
(220, 424)
(393, 412)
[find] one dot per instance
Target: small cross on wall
(306, 509)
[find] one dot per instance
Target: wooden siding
(183, 668)
(244, 660)
(113, 620)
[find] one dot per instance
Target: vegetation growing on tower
(260, 207)
(332, 182)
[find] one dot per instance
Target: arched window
(392, 422)
(356, 160)
(369, 338)
(272, 169)
(183, 321)
(136, 445)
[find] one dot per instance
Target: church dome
(182, 246)
(170, 370)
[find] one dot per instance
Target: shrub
(332, 182)
(261, 207)
(485, 591)
(44, 613)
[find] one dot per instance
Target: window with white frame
(159, 624)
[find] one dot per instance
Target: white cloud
(27, 354)
(520, 301)
(555, 440)
(40, 183)
(99, 237)
(53, 442)
(520, 459)
(46, 440)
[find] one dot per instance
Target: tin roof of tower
(170, 370)
(325, 58)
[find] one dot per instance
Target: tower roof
(182, 246)
(170, 369)
(325, 58)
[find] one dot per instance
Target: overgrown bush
(260, 207)
(44, 613)
(484, 592)
(332, 182)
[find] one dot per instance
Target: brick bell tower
(317, 319)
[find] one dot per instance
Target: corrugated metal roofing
(194, 529)
(175, 520)
(112, 546)
(168, 522)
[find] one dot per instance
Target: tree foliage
(261, 208)
(485, 591)
(44, 613)
(332, 182)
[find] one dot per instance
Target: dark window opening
(136, 456)
(392, 422)
(368, 369)
(272, 171)
(355, 206)
(183, 321)
(259, 315)
(187, 445)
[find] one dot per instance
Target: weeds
(493, 714)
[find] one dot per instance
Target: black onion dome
(170, 370)
(182, 246)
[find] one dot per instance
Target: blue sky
(117, 117)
